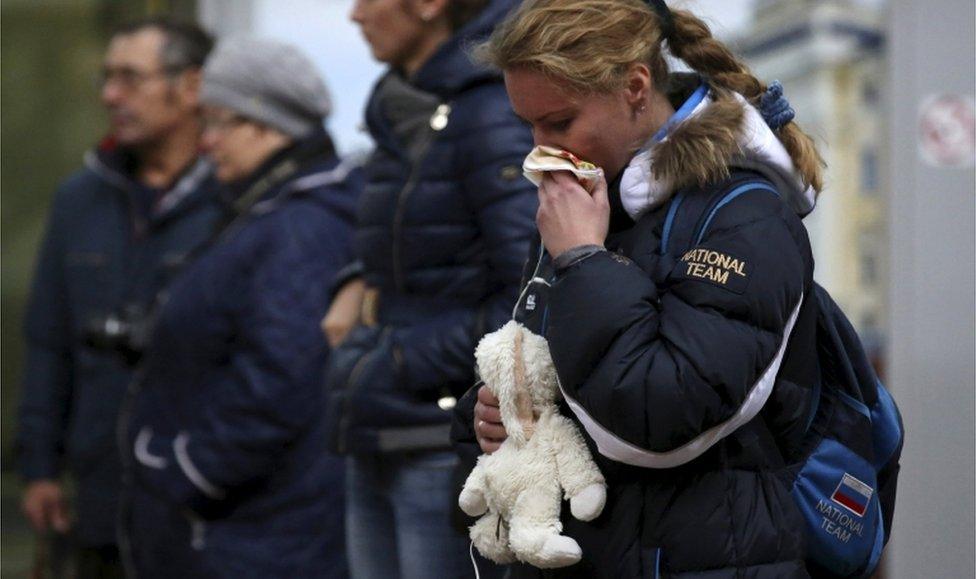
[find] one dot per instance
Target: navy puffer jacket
(443, 227)
(111, 245)
(664, 354)
(224, 434)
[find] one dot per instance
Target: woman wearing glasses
(224, 434)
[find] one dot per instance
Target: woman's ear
(429, 10)
(638, 86)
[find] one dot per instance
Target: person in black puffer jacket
(690, 371)
(443, 228)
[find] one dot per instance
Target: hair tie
(774, 107)
(664, 15)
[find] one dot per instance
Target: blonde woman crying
(678, 324)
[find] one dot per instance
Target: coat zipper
(128, 474)
(345, 419)
(438, 121)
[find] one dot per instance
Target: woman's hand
(344, 313)
(488, 422)
(569, 216)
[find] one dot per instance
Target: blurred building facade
(829, 55)
(932, 247)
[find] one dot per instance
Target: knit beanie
(267, 81)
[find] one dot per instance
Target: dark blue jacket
(110, 243)
(442, 230)
(687, 353)
(225, 437)
(659, 353)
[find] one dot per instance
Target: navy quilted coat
(224, 434)
(442, 231)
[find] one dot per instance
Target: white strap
(142, 453)
(615, 448)
(190, 470)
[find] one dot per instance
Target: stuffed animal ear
(496, 364)
(492, 357)
(523, 395)
(539, 369)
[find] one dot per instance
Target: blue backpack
(845, 473)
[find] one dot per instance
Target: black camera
(126, 332)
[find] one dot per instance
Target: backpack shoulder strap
(691, 210)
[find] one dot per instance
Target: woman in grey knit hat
(270, 89)
(229, 474)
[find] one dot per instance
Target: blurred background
(886, 87)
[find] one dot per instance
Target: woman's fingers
(486, 398)
(568, 215)
(344, 313)
(490, 430)
(488, 425)
(565, 180)
(488, 446)
(599, 192)
(487, 413)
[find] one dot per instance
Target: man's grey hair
(187, 45)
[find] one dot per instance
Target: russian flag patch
(853, 495)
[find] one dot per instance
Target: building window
(870, 94)
(869, 267)
(869, 171)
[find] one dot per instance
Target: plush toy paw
(557, 551)
(472, 502)
(489, 534)
(588, 503)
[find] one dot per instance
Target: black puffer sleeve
(661, 371)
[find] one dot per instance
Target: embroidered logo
(853, 495)
(510, 172)
(715, 267)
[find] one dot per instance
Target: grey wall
(932, 293)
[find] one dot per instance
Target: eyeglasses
(222, 124)
(129, 78)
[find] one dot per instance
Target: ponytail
(691, 40)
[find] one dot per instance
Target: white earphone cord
(474, 563)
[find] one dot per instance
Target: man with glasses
(117, 231)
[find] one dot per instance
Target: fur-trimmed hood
(713, 130)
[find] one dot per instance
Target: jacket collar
(447, 73)
(450, 69)
(116, 167)
(709, 132)
(279, 174)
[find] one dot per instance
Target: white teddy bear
(519, 488)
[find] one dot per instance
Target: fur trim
(699, 150)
